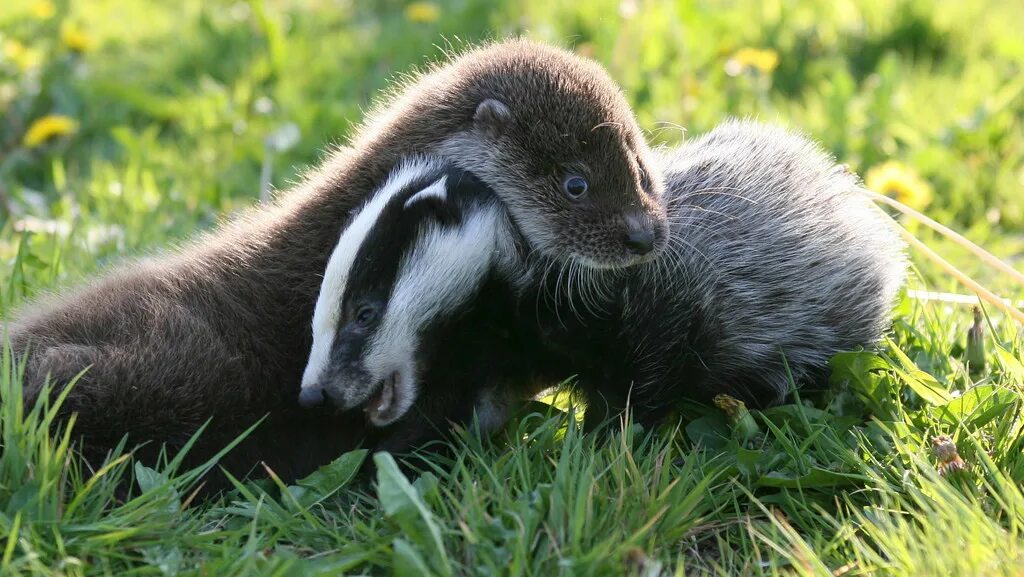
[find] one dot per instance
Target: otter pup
(220, 329)
(775, 264)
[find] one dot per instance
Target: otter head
(554, 137)
(410, 259)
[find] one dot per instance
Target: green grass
(175, 101)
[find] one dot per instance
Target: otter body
(221, 329)
(775, 263)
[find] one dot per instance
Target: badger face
(409, 261)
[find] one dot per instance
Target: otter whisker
(682, 196)
(594, 290)
(689, 229)
(663, 125)
(573, 274)
(562, 266)
(549, 293)
(714, 191)
(698, 208)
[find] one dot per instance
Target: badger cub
(428, 255)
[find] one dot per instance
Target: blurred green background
(129, 123)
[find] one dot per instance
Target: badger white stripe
(445, 268)
(327, 312)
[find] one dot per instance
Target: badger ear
(436, 191)
(492, 116)
(433, 200)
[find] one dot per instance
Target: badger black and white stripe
(415, 254)
(775, 263)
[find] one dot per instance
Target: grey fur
(774, 260)
(775, 242)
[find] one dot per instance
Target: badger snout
(328, 390)
(312, 396)
(337, 385)
(384, 402)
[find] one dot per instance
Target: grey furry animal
(775, 263)
(220, 328)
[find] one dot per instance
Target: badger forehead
(442, 271)
(327, 311)
(440, 266)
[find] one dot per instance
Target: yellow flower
(422, 12)
(900, 182)
(49, 127)
(764, 60)
(74, 37)
(22, 56)
(43, 9)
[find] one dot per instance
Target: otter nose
(310, 397)
(639, 237)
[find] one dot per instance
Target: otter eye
(366, 315)
(575, 186)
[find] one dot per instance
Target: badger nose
(639, 237)
(310, 397)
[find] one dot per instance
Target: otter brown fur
(221, 328)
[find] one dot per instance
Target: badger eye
(575, 186)
(366, 315)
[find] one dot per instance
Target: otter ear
(492, 116)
